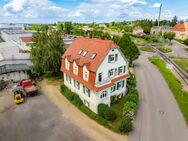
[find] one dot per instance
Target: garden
(119, 117)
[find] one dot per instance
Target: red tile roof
(179, 27)
(91, 45)
(26, 39)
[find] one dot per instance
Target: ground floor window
(86, 91)
(104, 94)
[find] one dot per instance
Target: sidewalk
(69, 111)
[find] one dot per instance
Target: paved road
(178, 50)
(36, 120)
(158, 117)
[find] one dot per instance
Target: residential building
(11, 27)
(23, 43)
(96, 70)
(156, 30)
(138, 31)
(181, 30)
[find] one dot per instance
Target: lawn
(1, 40)
(147, 49)
(182, 62)
(174, 84)
(165, 50)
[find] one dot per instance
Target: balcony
(104, 81)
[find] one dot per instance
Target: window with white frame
(67, 64)
(112, 58)
(120, 85)
(103, 95)
(93, 56)
(75, 69)
(120, 70)
(86, 75)
(111, 73)
(100, 77)
(86, 91)
(113, 88)
(80, 52)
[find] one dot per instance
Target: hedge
(126, 125)
(106, 112)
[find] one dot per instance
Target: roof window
(80, 52)
(93, 56)
(84, 53)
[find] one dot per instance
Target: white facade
(104, 76)
(15, 76)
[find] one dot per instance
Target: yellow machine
(18, 97)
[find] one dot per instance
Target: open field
(147, 49)
(182, 62)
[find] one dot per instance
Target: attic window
(84, 53)
(93, 56)
(80, 52)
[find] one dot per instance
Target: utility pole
(159, 15)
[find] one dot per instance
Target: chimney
(90, 35)
(102, 37)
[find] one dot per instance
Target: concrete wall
(15, 76)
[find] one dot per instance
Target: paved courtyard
(38, 119)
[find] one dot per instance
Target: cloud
(156, 5)
(33, 9)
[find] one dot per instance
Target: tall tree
(169, 35)
(59, 26)
(174, 21)
(128, 47)
(156, 22)
(46, 52)
(68, 27)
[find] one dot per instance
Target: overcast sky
(49, 11)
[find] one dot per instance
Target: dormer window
(75, 68)
(84, 53)
(67, 64)
(93, 56)
(80, 52)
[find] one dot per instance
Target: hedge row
(75, 99)
(130, 107)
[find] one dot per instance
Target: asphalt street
(38, 119)
(158, 117)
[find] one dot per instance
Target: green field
(174, 84)
(182, 62)
(147, 49)
(165, 50)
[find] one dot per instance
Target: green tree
(39, 27)
(68, 27)
(59, 26)
(128, 47)
(46, 51)
(186, 42)
(156, 22)
(79, 32)
(169, 35)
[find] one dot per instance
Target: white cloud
(156, 5)
(32, 9)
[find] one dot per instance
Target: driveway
(38, 119)
(159, 117)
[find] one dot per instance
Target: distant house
(138, 31)
(96, 70)
(181, 30)
(23, 43)
(160, 30)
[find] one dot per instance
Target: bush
(77, 101)
(63, 88)
(106, 112)
(186, 42)
(132, 96)
(129, 110)
(126, 125)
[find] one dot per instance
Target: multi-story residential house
(95, 69)
(156, 30)
(181, 30)
(138, 31)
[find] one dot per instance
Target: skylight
(84, 53)
(93, 56)
(80, 52)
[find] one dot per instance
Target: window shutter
(116, 57)
(124, 69)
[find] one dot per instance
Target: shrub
(186, 42)
(126, 125)
(132, 96)
(77, 101)
(106, 112)
(63, 88)
(129, 110)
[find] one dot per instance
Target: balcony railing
(104, 81)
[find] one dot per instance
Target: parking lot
(38, 119)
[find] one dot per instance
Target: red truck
(28, 87)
